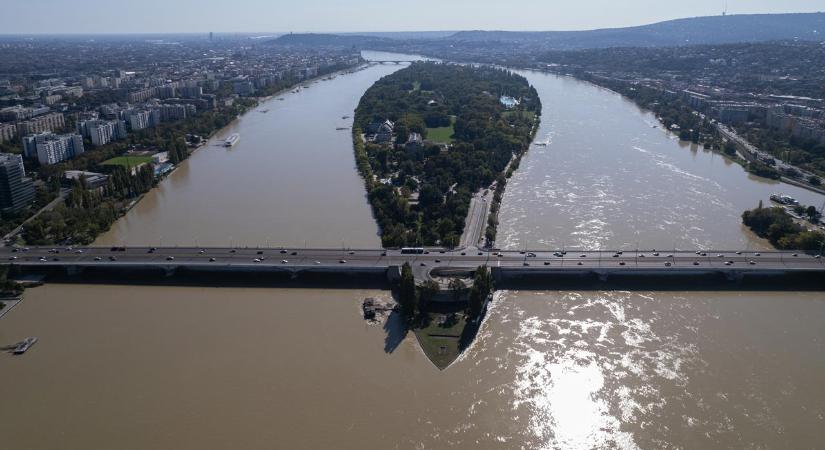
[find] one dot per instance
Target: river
(157, 367)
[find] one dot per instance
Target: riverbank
(750, 156)
(500, 187)
(271, 149)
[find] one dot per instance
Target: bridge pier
(734, 275)
(393, 274)
(74, 270)
(497, 274)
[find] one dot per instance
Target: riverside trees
(421, 195)
(481, 290)
(779, 228)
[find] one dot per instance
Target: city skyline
(190, 16)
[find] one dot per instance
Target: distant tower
(725, 11)
(211, 36)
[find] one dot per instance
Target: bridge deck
(377, 260)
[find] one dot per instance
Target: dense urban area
(88, 125)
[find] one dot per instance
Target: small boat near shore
(232, 140)
(342, 128)
(24, 345)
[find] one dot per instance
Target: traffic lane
(394, 256)
(389, 253)
(431, 262)
(185, 252)
(463, 252)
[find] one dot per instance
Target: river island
(432, 141)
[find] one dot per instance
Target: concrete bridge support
(393, 274)
(497, 274)
(74, 270)
(734, 275)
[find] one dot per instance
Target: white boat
(24, 345)
(783, 199)
(232, 140)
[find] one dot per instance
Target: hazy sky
(150, 16)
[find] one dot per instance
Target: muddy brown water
(136, 367)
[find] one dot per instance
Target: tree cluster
(779, 228)
(88, 212)
(480, 292)
(486, 137)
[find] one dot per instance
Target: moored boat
(24, 345)
(232, 140)
(783, 199)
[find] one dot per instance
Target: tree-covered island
(428, 136)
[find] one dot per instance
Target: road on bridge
(465, 259)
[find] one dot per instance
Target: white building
(102, 132)
(52, 148)
(138, 120)
(160, 158)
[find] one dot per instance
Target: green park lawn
(441, 343)
(442, 135)
(128, 161)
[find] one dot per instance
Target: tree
(458, 288)
(812, 213)
(406, 291)
(481, 290)
(430, 196)
(426, 294)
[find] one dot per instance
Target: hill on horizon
(688, 31)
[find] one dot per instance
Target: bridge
(392, 62)
(544, 268)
